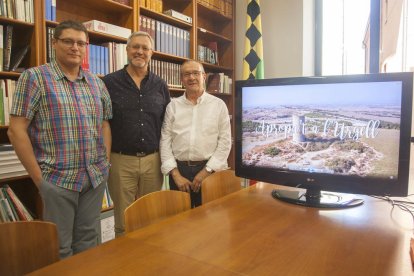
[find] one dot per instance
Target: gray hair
(140, 33)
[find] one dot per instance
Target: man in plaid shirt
(59, 129)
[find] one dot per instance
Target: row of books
(50, 10)
(168, 39)
(155, 5)
(208, 53)
(17, 9)
(168, 71)
(105, 58)
(218, 83)
(11, 208)
(10, 165)
(224, 7)
(11, 56)
(7, 87)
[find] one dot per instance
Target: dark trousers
(189, 172)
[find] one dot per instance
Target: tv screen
(348, 134)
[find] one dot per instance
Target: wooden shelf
(207, 35)
(168, 57)
(15, 22)
(9, 74)
(105, 6)
(15, 178)
(165, 18)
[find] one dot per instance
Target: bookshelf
(212, 21)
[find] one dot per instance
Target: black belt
(136, 153)
(190, 163)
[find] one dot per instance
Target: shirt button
(141, 109)
(142, 139)
(142, 124)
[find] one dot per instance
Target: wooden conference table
(250, 233)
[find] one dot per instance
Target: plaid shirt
(66, 124)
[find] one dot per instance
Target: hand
(198, 179)
(182, 183)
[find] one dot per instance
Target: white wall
(287, 29)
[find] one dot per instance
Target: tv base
(317, 198)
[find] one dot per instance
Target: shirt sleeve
(167, 157)
(218, 161)
(26, 96)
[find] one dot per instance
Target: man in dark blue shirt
(139, 98)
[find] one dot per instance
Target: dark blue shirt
(138, 113)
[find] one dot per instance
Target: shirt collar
(58, 73)
(200, 99)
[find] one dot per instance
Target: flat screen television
(347, 134)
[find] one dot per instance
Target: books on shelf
(7, 44)
(17, 9)
(155, 5)
(179, 16)
(17, 58)
(7, 88)
(168, 39)
(208, 52)
(218, 83)
(106, 28)
(225, 7)
(11, 207)
(50, 10)
(168, 71)
(10, 165)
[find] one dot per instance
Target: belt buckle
(140, 154)
(190, 163)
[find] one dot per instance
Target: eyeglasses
(70, 43)
(137, 47)
(196, 74)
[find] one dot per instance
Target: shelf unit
(208, 25)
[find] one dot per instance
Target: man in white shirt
(196, 134)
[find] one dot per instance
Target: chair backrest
(219, 184)
(26, 246)
(155, 206)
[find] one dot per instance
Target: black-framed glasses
(70, 42)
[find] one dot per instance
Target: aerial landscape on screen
(345, 129)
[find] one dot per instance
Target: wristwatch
(209, 170)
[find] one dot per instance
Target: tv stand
(317, 198)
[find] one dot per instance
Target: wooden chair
(26, 246)
(219, 184)
(154, 207)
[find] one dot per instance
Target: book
(2, 114)
(179, 16)
(17, 58)
(1, 47)
(106, 28)
(213, 83)
(8, 38)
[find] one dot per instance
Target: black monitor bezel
(328, 182)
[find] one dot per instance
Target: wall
(287, 29)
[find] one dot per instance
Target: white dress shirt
(196, 132)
